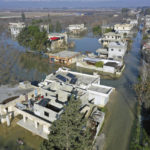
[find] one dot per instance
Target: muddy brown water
(121, 108)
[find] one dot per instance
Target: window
(46, 113)
(112, 49)
(119, 50)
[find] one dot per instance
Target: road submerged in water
(121, 110)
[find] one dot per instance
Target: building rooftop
(18, 24)
(72, 78)
(123, 25)
(100, 89)
(65, 54)
(102, 51)
(113, 34)
(116, 44)
(94, 60)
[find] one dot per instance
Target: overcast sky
(72, 3)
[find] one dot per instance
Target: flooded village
(52, 61)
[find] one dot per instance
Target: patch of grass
(9, 135)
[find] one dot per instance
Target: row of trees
(55, 28)
(52, 27)
(70, 131)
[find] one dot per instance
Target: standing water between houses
(121, 107)
(121, 112)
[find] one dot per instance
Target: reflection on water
(88, 43)
(15, 65)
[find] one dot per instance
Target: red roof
(54, 38)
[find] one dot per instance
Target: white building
(123, 28)
(111, 37)
(117, 50)
(82, 81)
(100, 94)
(44, 104)
(134, 22)
(147, 21)
(15, 28)
(76, 28)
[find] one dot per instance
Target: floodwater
(89, 43)
(121, 108)
(16, 65)
(121, 114)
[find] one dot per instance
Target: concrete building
(82, 81)
(134, 22)
(109, 66)
(147, 21)
(58, 41)
(111, 37)
(64, 57)
(123, 28)
(43, 105)
(117, 50)
(15, 28)
(76, 28)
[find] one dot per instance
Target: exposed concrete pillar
(24, 119)
(36, 124)
(46, 129)
(8, 120)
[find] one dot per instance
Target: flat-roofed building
(47, 110)
(123, 28)
(83, 83)
(74, 79)
(134, 22)
(147, 21)
(44, 104)
(111, 37)
(117, 50)
(100, 94)
(64, 57)
(15, 28)
(76, 28)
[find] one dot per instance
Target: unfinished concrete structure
(83, 83)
